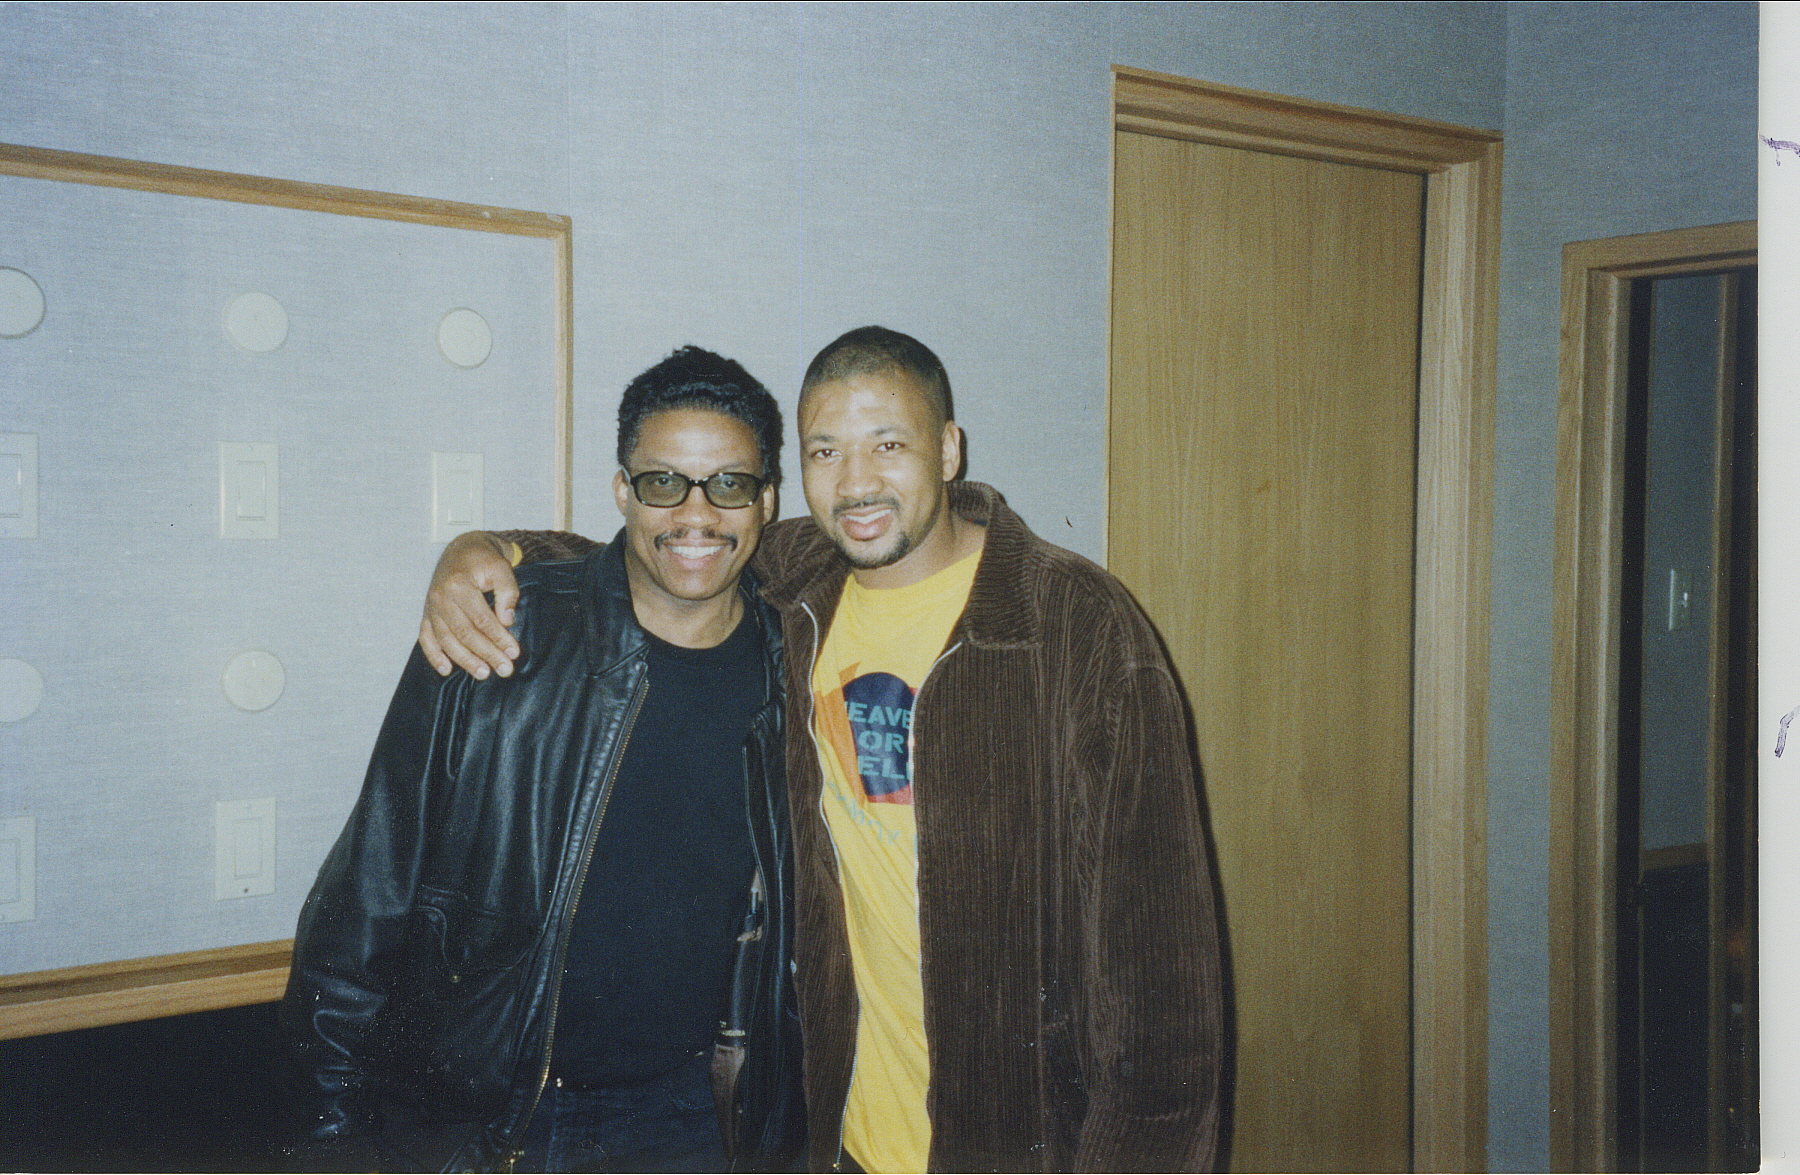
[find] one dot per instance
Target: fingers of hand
(457, 625)
(434, 653)
(471, 652)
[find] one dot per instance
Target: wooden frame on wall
(1584, 687)
(1458, 345)
(138, 989)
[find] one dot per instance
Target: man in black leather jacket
(556, 931)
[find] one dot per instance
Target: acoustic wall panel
(175, 325)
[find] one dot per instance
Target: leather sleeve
(1155, 1033)
(545, 546)
(348, 943)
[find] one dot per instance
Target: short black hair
(692, 377)
(871, 350)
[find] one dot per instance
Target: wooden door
(1261, 495)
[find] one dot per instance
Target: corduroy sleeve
(1154, 1000)
(542, 546)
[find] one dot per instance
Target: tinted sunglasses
(664, 488)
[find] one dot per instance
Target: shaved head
(876, 350)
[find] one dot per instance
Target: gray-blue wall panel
(1620, 118)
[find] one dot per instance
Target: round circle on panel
(21, 303)
(256, 322)
(21, 689)
(464, 338)
(253, 680)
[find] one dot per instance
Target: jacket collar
(999, 613)
(611, 633)
(609, 623)
(1002, 611)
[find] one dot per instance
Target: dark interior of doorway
(1686, 921)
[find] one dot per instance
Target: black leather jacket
(428, 958)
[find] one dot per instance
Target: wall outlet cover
(244, 848)
(18, 869)
(456, 493)
(249, 491)
(18, 485)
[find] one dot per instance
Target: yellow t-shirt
(881, 646)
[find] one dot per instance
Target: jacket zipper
(758, 879)
(568, 918)
(912, 763)
(837, 1163)
(758, 726)
(812, 734)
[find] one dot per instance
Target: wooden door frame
(1584, 688)
(1457, 346)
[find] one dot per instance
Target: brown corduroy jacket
(1069, 942)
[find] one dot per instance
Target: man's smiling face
(874, 458)
(691, 553)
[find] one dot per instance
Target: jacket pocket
(462, 1003)
(454, 940)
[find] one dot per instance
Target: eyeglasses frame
(704, 483)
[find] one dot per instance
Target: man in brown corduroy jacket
(1008, 953)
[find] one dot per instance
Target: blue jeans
(666, 1124)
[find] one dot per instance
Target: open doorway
(1654, 998)
(1687, 689)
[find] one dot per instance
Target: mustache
(675, 536)
(843, 508)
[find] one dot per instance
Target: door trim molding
(1584, 660)
(1457, 346)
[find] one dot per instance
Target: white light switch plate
(18, 485)
(1681, 599)
(244, 848)
(249, 492)
(455, 494)
(18, 869)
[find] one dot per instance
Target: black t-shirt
(658, 916)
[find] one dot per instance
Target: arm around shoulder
(546, 546)
(460, 628)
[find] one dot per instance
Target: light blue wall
(759, 178)
(764, 178)
(459, 102)
(754, 178)
(1620, 118)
